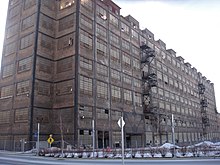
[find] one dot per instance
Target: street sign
(50, 140)
(121, 122)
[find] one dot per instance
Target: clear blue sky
(190, 27)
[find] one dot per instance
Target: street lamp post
(173, 135)
(38, 138)
(93, 137)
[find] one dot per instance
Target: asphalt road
(20, 159)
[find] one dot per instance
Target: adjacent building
(66, 63)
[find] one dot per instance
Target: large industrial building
(66, 63)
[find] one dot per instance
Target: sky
(189, 27)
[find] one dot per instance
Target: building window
(86, 39)
(136, 64)
(48, 23)
(125, 28)
(21, 115)
(28, 22)
(125, 45)
(134, 34)
(115, 55)
(4, 117)
(66, 3)
(8, 70)
(101, 13)
(64, 88)
(113, 20)
(47, 43)
(86, 22)
(43, 88)
(137, 83)
(10, 48)
(102, 90)
(65, 42)
(7, 91)
(81, 132)
(12, 30)
(22, 87)
(165, 79)
(87, 4)
(86, 85)
(27, 41)
(115, 74)
(24, 65)
(126, 60)
(13, 2)
(114, 39)
(14, 11)
(66, 23)
(101, 31)
(102, 113)
(127, 96)
(49, 5)
(64, 65)
(102, 69)
(45, 65)
(135, 51)
(138, 99)
(101, 47)
(159, 75)
(29, 3)
(85, 63)
(115, 116)
(127, 79)
(116, 93)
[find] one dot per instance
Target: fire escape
(149, 80)
(204, 105)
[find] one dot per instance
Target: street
(22, 159)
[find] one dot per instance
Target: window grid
(102, 69)
(22, 87)
(7, 91)
(86, 39)
(102, 90)
(115, 54)
(13, 30)
(113, 20)
(127, 96)
(116, 93)
(86, 21)
(138, 99)
(28, 22)
(27, 41)
(10, 48)
(86, 85)
(101, 46)
(127, 79)
(126, 60)
(114, 38)
(115, 74)
(66, 3)
(85, 63)
(8, 70)
(66, 23)
(21, 115)
(101, 31)
(4, 117)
